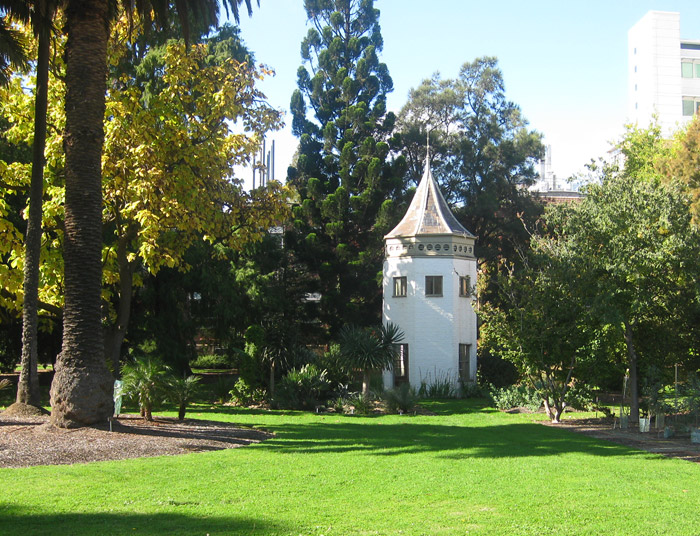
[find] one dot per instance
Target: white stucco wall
(655, 85)
(433, 326)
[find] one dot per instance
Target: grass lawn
(468, 470)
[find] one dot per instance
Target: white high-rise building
(664, 72)
(430, 292)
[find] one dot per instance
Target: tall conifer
(342, 174)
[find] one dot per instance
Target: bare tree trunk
(633, 383)
(28, 385)
(114, 335)
(272, 378)
(81, 392)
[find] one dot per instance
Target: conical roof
(428, 213)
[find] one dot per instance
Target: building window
(400, 287)
(686, 69)
(465, 290)
(401, 364)
(689, 107)
(433, 285)
(464, 371)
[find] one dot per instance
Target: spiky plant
(370, 349)
(182, 391)
(144, 380)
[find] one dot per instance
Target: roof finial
(427, 150)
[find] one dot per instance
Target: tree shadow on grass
(453, 442)
(20, 522)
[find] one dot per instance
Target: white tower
(429, 288)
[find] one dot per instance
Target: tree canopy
(342, 173)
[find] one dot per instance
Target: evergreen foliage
(342, 174)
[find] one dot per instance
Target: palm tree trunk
(81, 393)
(366, 376)
(28, 386)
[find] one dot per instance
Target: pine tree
(342, 174)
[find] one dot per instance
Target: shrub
(474, 390)
(495, 371)
(400, 399)
(516, 396)
(244, 394)
(303, 388)
(212, 361)
(579, 396)
(336, 366)
(361, 404)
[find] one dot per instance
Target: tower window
(464, 371)
(400, 287)
(433, 285)
(465, 286)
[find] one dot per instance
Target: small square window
(697, 70)
(465, 290)
(686, 69)
(400, 287)
(688, 107)
(433, 285)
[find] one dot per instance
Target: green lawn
(468, 470)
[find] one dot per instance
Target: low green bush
(212, 361)
(303, 388)
(400, 399)
(516, 396)
(580, 396)
(360, 404)
(244, 394)
(474, 390)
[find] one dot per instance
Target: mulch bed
(27, 440)
(653, 441)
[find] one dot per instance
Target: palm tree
(145, 380)
(81, 392)
(370, 349)
(12, 45)
(181, 391)
(41, 19)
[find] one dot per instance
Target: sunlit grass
(465, 470)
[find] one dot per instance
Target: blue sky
(564, 63)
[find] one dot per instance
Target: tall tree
(81, 392)
(482, 153)
(636, 237)
(13, 45)
(157, 156)
(342, 173)
(540, 322)
(41, 20)
(683, 165)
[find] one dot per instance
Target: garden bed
(31, 440)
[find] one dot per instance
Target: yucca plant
(144, 380)
(182, 391)
(370, 349)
